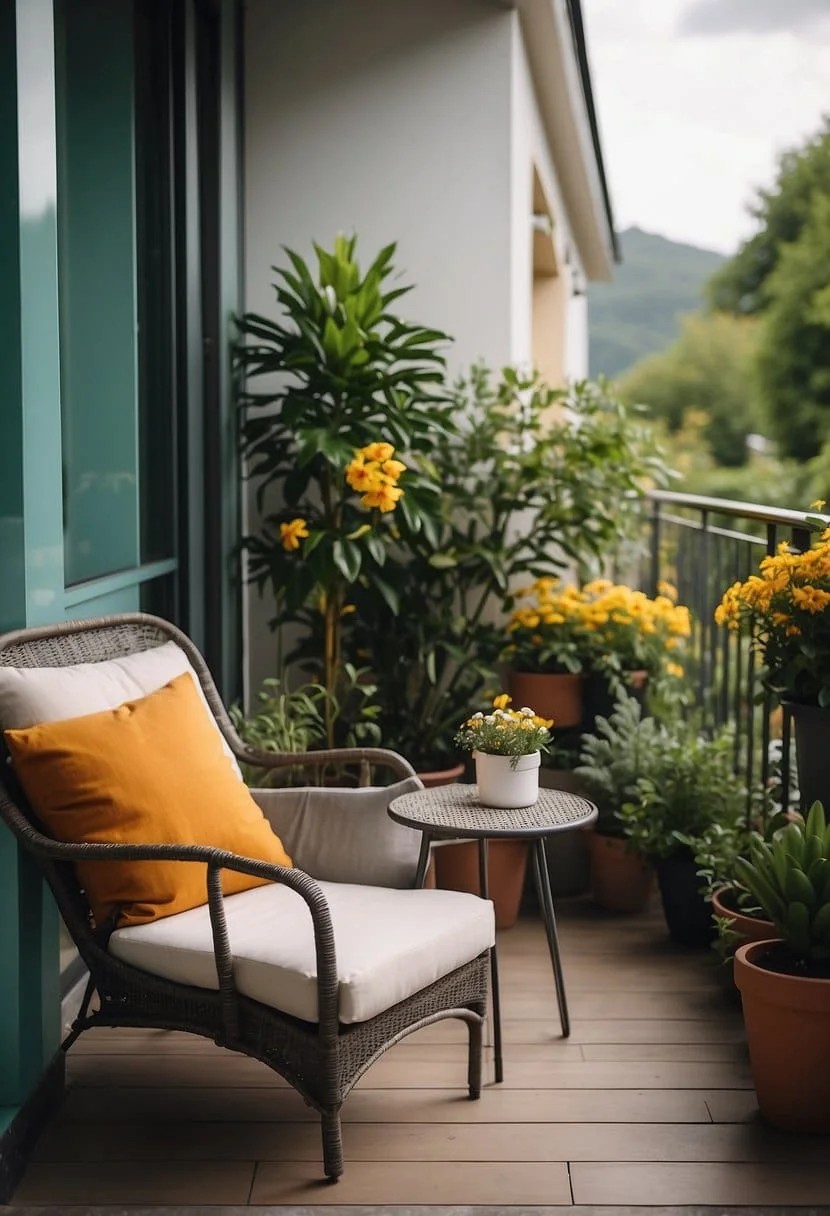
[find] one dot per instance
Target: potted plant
(596, 640)
(506, 746)
(288, 719)
(783, 609)
(687, 784)
(338, 444)
(785, 982)
(612, 759)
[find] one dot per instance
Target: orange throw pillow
(151, 771)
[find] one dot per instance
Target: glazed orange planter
(621, 881)
(787, 1019)
(557, 696)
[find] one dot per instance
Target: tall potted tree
(337, 442)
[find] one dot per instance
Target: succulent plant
(790, 878)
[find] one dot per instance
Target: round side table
(454, 812)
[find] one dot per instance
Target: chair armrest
(364, 756)
(215, 860)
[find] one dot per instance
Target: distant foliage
(709, 368)
(743, 284)
(782, 274)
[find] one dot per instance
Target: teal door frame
(32, 577)
(30, 424)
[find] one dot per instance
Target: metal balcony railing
(703, 545)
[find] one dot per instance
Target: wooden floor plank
(648, 1102)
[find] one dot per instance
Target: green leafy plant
(532, 479)
(294, 720)
(789, 876)
(687, 785)
(614, 757)
(504, 731)
(338, 443)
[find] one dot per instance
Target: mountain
(637, 314)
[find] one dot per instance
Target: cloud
(714, 17)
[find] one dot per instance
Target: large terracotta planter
(456, 869)
(558, 696)
(748, 928)
(621, 881)
(787, 1021)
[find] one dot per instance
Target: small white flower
(528, 713)
(490, 719)
(478, 715)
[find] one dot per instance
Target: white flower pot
(503, 786)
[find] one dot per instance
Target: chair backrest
(68, 645)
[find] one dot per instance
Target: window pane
(97, 286)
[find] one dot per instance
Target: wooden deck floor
(648, 1103)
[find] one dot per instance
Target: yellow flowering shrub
(600, 627)
(504, 731)
(784, 610)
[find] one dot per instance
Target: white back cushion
(389, 945)
(345, 835)
(29, 695)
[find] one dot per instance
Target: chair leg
(474, 1027)
(332, 1144)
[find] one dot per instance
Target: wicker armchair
(321, 1059)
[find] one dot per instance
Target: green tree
(709, 369)
(742, 285)
(794, 356)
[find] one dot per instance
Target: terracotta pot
(750, 928)
(558, 696)
(443, 776)
(621, 881)
(456, 869)
(787, 1019)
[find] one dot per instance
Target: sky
(696, 101)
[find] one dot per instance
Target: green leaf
(347, 558)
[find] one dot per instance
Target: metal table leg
(495, 999)
(540, 868)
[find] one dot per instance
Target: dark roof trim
(581, 50)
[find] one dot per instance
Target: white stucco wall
(392, 121)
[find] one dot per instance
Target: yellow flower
(818, 505)
(363, 477)
(674, 669)
(377, 451)
(385, 497)
(668, 590)
(292, 533)
(393, 468)
(501, 701)
(811, 599)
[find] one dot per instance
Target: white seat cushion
(390, 944)
(29, 695)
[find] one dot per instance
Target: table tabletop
(455, 810)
